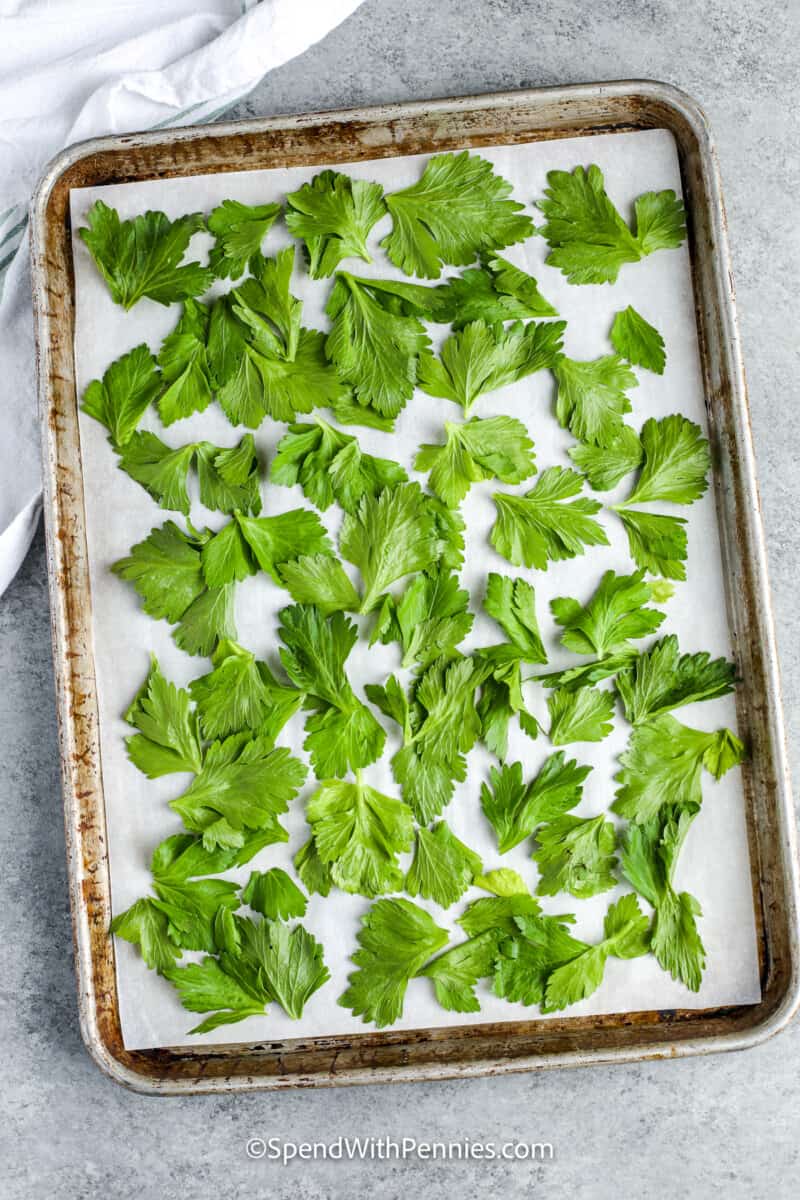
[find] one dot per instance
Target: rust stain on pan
(428, 1053)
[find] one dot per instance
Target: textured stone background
(671, 1129)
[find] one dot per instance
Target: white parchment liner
(714, 864)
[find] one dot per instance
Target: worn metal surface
(424, 1054)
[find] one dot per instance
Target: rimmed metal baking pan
(326, 138)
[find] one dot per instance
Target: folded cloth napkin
(74, 69)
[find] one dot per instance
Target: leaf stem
(368, 602)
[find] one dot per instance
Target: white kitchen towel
(74, 69)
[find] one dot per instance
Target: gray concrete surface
(679, 1129)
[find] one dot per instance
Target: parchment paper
(714, 864)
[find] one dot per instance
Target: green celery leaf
(660, 221)
(207, 621)
(625, 935)
(576, 855)
(141, 257)
(119, 401)
(241, 694)
(375, 350)
(342, 734)
(169, 738)
(229, 479)
(234, 375)
(516, 809)
(663, 764)
(333, 215)
(451, 527)
(320, 579)
(314, 873)
(503, 801)
(492, 448)
(539, 945)
(161, 470)
(637, 341)
(204, 986)
(239, 230)
(264, 361)
(290, 962)
(502, 698)
(497, 291)
(241, 397)
(443, 867)
(396, 940)
(662, 590)
(191, 908)
(242, 786)
(517, 284)
(282, 388)
(145, 926)
(273, 962)
(227, 338)
(185, 370)
(429, 619)
(584, 715)
(410, 299)
(358, 833)
(605, 466)
(392, 701)
(315, 651)
(657, 541)
(456, 972)
(662, 678)
(512, 603)
(502, 882)
(589, 673)
(166, 571)
(442, 726)
(615, 614)
(340, 739)
(498, 913)
(183, 856)
(276, 540)
(330, 466)
(481, 358)
(676, 462)
(256, 841)
(592, 397)
(241, 943)
(227, 932)
(226, 556)
(274, 894)
(457, 209)
(265, 304)
(649, 857)
(726, 751)
(391, 535)
(589, 241)
(541, 527)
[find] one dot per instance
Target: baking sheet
(714, 864)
